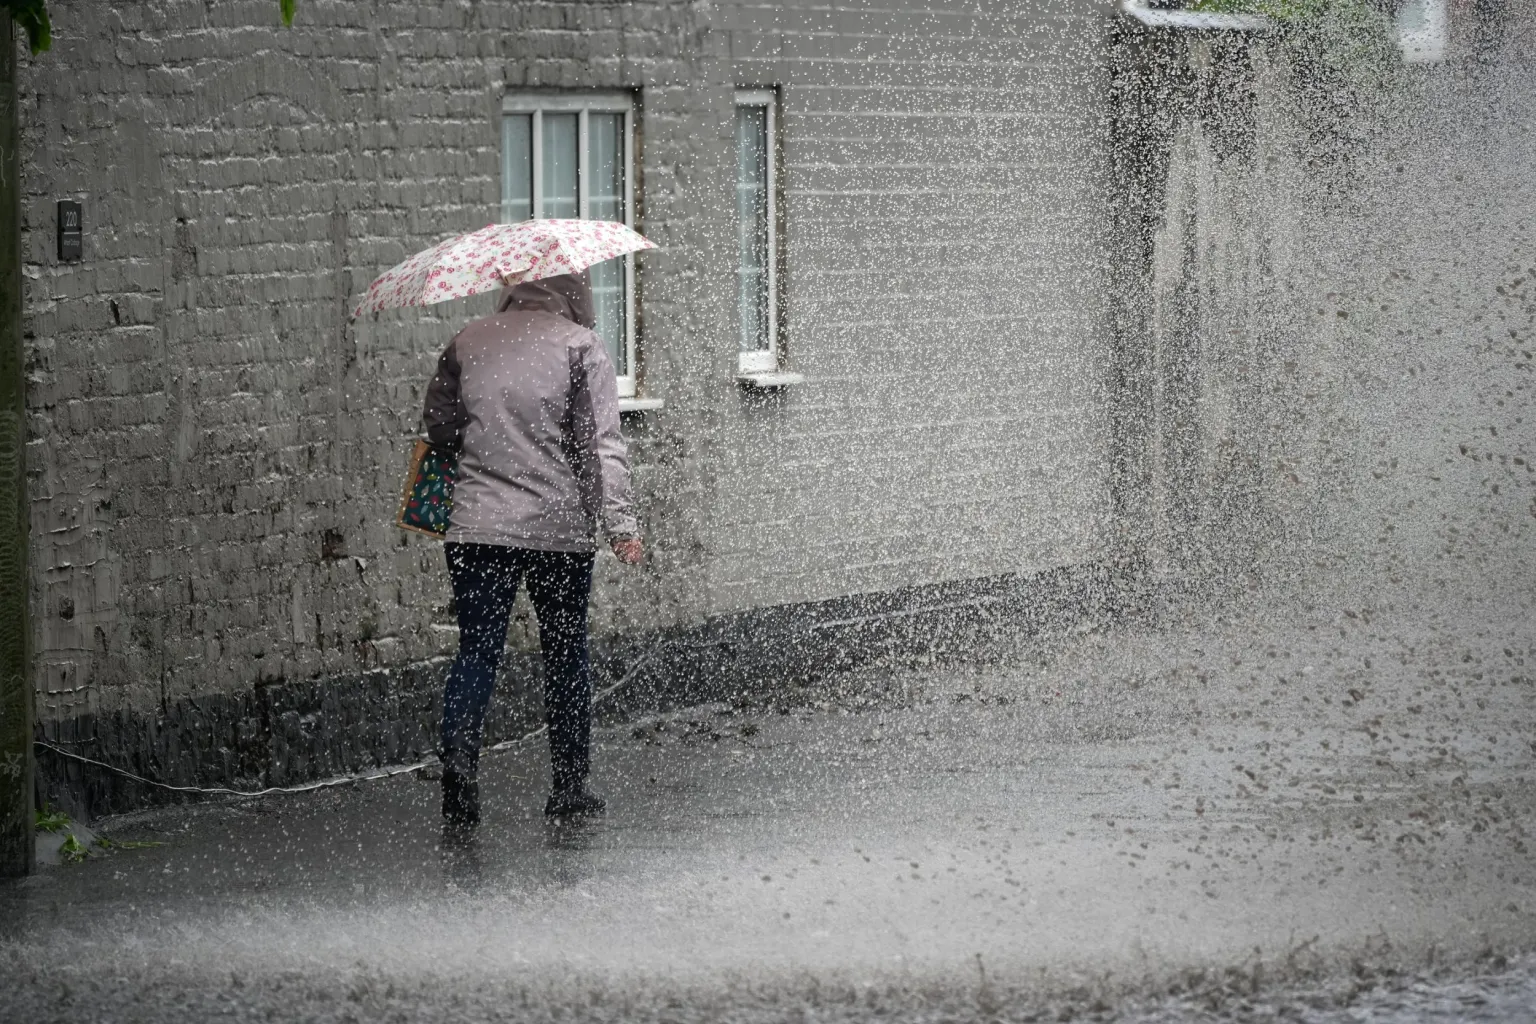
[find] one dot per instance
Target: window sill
(770, 379)
(1195, 21)
(641, 404)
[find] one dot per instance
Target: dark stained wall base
(286, 733)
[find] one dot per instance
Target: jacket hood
(567, 295)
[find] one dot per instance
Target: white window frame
(585, 104)
(766, 360)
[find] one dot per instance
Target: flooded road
(1504, 994)
(1235, 804)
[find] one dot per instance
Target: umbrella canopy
(481, 261)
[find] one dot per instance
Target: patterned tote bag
(428, 497)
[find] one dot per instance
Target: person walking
(528, 400)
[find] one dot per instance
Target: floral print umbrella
(482, 260)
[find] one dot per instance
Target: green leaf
(288, 7)
(50, 820)
(32, 15)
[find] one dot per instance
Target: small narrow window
(756, 232)
(572, 156)
(516, 168)
(1423, 30)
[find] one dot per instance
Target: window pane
(608, 297)
(605, 190)
(559, 185)
(752, 226)
(516, 167)
(605, 201)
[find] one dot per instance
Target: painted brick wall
(217, 448)
(943, 300)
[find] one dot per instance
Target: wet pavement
(1316, 808)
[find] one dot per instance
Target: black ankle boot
(572, 801)
(461, 799)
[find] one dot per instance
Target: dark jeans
(485, 580)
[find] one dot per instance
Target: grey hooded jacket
(529, 400)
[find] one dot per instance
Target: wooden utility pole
(17, 844)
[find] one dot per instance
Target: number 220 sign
(71, 231)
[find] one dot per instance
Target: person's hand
(628, 550)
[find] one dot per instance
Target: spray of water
(1261, 343)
